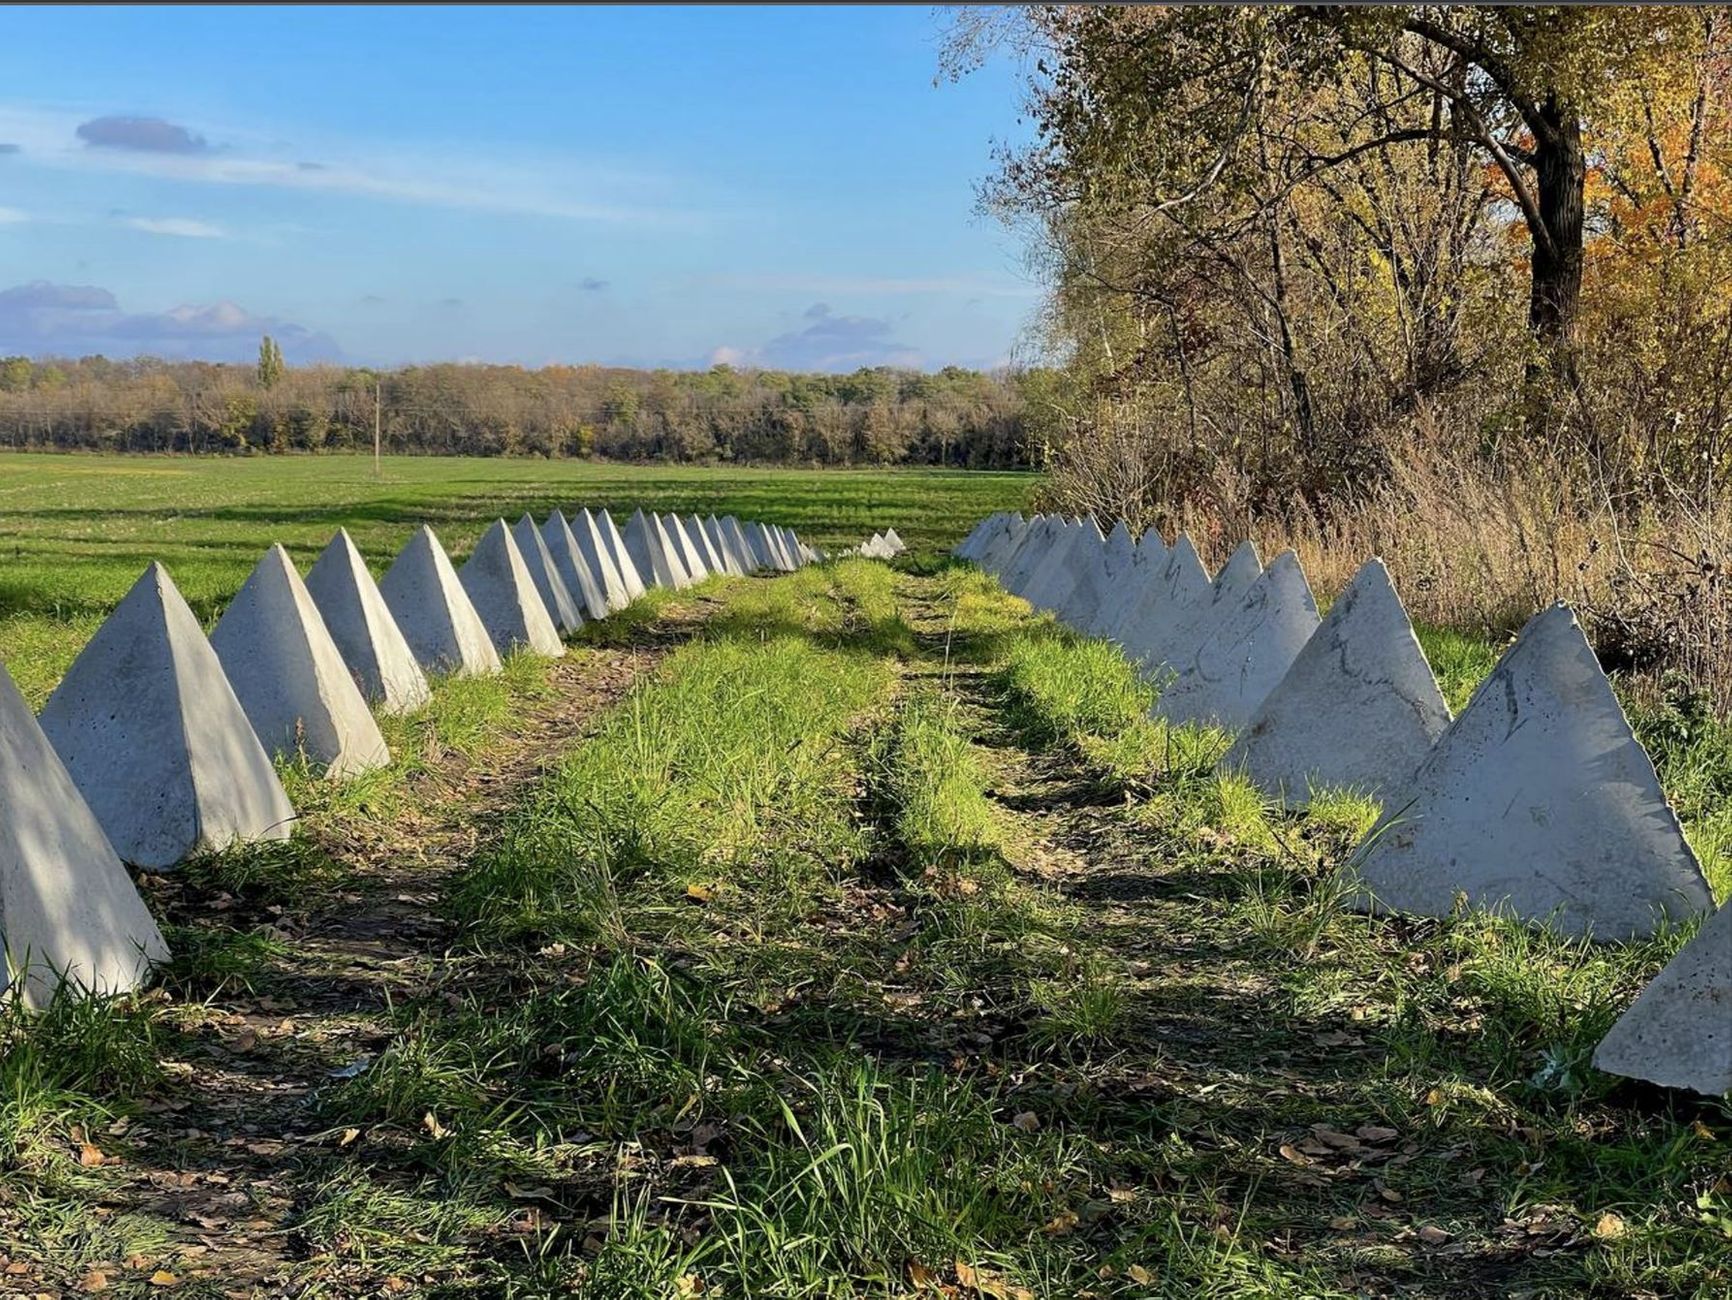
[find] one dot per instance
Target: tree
(1210, 118)
(270, 362)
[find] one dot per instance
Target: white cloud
(13, 217)
(179, 227)
(561, 188)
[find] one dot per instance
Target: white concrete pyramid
(743, 548)
(1052, 573)
(1243, 567)
(690, 557)
(647, 544)
(973, 546)
(1075, 555)
(561, 605)
(150, 729)
(1151, 547)
(723, 546)
(1036, 543)
(1359, 708)
(500, 587)
(289, 675)
(1105, 589)
(1678, 1032)
(1178, 594)
(1098, 584)
(897, 545)
(437, 617)
(364, 629)
(1001, 547)
(782, 545)
(573, 567)
(68, 912)
(630, 578)
(592, 544)
(1540, 801)
(1246, 654)
(758, 539)
(707, 552)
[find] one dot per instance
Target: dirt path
(349, 928)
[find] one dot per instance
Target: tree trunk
(1560, 170)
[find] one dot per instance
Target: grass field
(76, 531)
(851, 933)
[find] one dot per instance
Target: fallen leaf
(1432, 1236)
(1375, 1133)
(1291, 1153)
(1061, 1224)
(698, 893)
(688, 1284)
(921, 1276)
(90, 1155)
(1609, 1228)
(162, 1277)
(435, 1129)
(349, 1135)
(1027, 1121)
(1137, 1273)
(1343, 1222)
(95, 1280)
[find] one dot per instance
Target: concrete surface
(1678, 1032)
(364, 629)
(562, 606)
(499, 585)
(436, 615)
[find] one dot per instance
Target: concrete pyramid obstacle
(1036, 542)
(690, 557)
(153, 736)
(782, 544)
(1246, 654)
(1538, 800)
(747, 553)
(1359, 708)
(1165, 607)
(504, 595)
(896, 544)
(732, 563)
(630, 578)
(289, 675)
(68, 912)
(758, 539)
(573, 566)
(1151, 547)
(1243, 567)
(611, 582)
(707, 552)
(647, 544)
(561, 605)
(981, 537)
(1098, 584)
(364, 629)
(1073, 555)
(999, 548)
(437, 617)
(1109, 585)
(1678, 1032)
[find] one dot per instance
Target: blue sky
(633, 186)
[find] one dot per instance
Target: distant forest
(875, 416)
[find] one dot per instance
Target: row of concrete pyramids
(882, 546)
(1537, 801)
(157, 742)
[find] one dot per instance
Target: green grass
(77, 530)
(877, 943)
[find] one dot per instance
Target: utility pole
(378, 471)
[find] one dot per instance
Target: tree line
(876, 416)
